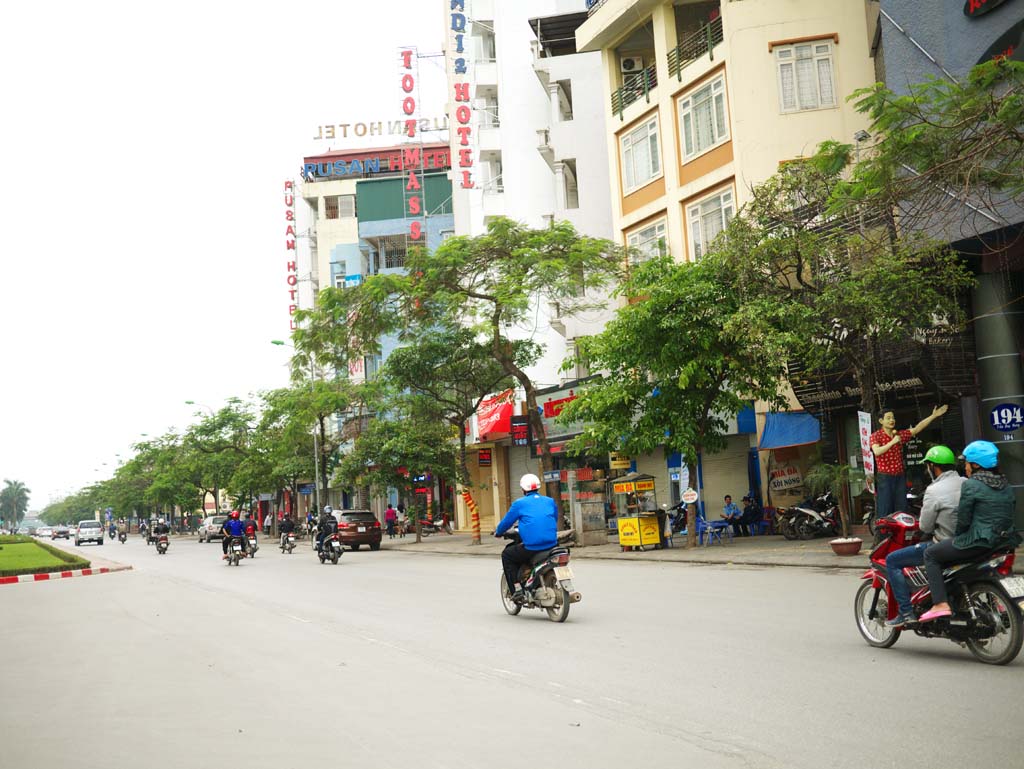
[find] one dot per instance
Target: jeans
(895, 562)
(943, 554)
(890, 494)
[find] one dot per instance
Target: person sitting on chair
(732, 514)
(752, 515)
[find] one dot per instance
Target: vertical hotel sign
(289, 248)
(459, 80)
(412, 157)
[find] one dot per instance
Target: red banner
(494, 416)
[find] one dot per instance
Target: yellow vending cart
(636, 503)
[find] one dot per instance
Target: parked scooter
(547, 581)
(235, 551)
(816, 518)
(435, 526)
(330, 549)
(987, 601)
(162, 543)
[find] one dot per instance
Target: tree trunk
(691, 510)
(323, 462)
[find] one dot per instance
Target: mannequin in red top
(890, 472)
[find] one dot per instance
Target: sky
(143, 151)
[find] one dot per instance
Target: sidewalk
(743, 551)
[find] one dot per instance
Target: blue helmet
(982, 453)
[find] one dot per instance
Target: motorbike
(253, 547)
(330, 549)
(435, 526)
(112, 532)
(785, 522)
(546, 580)
(913, 507)
(235, 551)
(162, 544)
(288, 543)
(815, 518)
(123, 537)
(987, 601)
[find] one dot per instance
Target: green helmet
(940, 455)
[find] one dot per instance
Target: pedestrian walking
(390, 517)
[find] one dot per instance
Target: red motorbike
(987, 601)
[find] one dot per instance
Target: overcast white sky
(142, 154)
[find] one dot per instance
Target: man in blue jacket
(233, 527)
(538, 529)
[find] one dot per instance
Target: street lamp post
(316, 447)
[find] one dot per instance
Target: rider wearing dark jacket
(984, 520)
(286, 527)
(326, 526)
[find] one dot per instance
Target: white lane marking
(556, 684)
(506, 672)
(579, 702)
(612, 699)
(298, 619)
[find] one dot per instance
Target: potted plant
(834, 477)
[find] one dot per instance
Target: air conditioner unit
(629, 64)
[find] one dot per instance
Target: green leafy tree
(834, 284)
(678, 361)
(13, 503)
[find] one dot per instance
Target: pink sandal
(928, 616)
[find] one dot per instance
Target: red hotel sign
(463, 112)
(289, 245)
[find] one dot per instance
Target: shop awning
(789, 428)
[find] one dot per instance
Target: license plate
(335, 544)
(1014, 586)
(237, 548)
(563, 572)
(361, 529)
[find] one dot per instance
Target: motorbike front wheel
(999, 615)
(806, 528)
(334, 557)
(511, 606)
(560, 611)
(874, 629)
(787, 529)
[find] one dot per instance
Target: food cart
(636, 502)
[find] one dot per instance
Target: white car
(89, 531)
(44, 531)
(210, 528)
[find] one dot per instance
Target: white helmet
(328, 509)
(529, 482)
(161, 520)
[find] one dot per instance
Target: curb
(60, 575)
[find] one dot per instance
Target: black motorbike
(546, 580)
(236, 551)
(162, 543)
(816, 517)
(330, 549)
(122, 537)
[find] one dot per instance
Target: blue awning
(789, 428)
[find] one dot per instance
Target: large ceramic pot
(848, 546)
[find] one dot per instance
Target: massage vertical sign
(412, 160)
(864, 426)
(459, 80)
(289, 247)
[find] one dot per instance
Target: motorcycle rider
(984, 518)
(122, 527)
(538, 529)
(250, 527)
(286, 527)
(938, 519)
(326, 526)
(161, 528)
(233, 527)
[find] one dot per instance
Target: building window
(445, 234)
(564, 94)
(806, 80)
(394, 256)
(641, 158)
(572, 188)
(702, 114)
(649, 241)
(331, 207)
(707, 219)
(347, 206)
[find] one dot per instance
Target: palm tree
(13, 503)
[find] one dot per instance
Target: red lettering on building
(408, 83)
(411, 157)
(413, 183)
(465, 158)
(462, 92)
(464, 132)
(415, 229)
(408, 105)
(467, 183)
(463, 114)
(414, 206)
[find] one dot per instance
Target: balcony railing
(639, 84)
(691, 48)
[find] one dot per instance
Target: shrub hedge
(70, 560)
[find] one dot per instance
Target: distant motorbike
(330, 549)
(253, 547)
(162, 543)
(235, 551)
(987, 601)
(547, 581)
(288, 542)
(123, 537)
(112, 532)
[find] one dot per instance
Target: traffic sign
(1007, 417)
(690, 496)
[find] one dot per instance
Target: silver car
(210, 528)
(89, 531)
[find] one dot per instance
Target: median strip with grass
(23, 555)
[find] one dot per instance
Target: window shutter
(720, 115)
(807, 91)
(688, 134)
(347, 206)
(652, 139)
(787, 86)
(828, 97)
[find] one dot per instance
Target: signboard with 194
(1007, 417)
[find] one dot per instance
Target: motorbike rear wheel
(511, 606)
(995, 609)
(806, 528)
(560, 611)
(334, 558)
(787, 529)
(874, 629)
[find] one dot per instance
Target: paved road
(398, 660)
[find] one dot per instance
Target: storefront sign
(331, 131)
(520, 430)
(623, 487)
(550, 404)
(551, 476)
(316, 168)
(494, 415)
(867, 457)
(483, 457)
(690, 496)
(617, 461)
(412, 164)
(459, 80)
(786, 477)
(1006, 417)
(1009, 45)
(289, 246)
(647, 485)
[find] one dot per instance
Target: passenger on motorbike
(326, 526)
(984, 519)
(250, 526)
(161, 528)
(233, 527)
(538, 529)
(122, 526)
(938, 519)
(286, 527)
